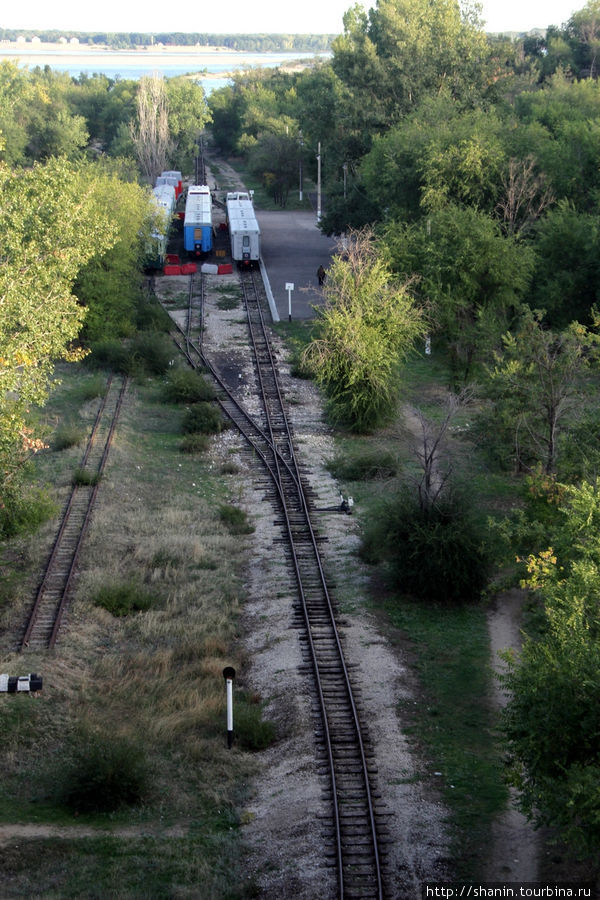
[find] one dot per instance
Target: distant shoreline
(197, 56)
(28, 48)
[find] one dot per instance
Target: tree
(566, 280)
(471, 275)
(109, 285)
(51, 227)
(187, 115)
(274, 158)
(366, 329)
(536, 384)
(407, 49)
(150, 134)
(554, 687)
(583, 33)
(525, 196)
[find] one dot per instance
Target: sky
(230, 16)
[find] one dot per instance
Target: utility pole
(319, 183)
(300, 194)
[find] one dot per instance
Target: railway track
(355, 831)
(54, 591)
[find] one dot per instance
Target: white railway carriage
(243, 229)
(197, 224)
(164, 200)
(171, 177)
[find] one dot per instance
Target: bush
(436, 554)
(202, 418)
(251, 731)
(195, 443)
(23, 510)
(66, 436)
(364, 466)
(187, 386)
(105, 773)
(84, 478)
(110, 354)
(148, 351)
(235, 519)
(94, 386)
(122, 599)
(150, 316)
(152, 352)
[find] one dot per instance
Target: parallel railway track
(356, 832)
(53, 593)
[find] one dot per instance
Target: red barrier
(225, 269)
(172, 270)
(189, 268)
(173, 259)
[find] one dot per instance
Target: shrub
(83, 477)
(66, 436)
(152, 352)
(364, 466)
(23, 510)
(150, 316)
(435, 554)
(122, 599)
(104, 773)
(251, 731)
(235, 519)
(195, 443)
(110, 354)
(93, 387)
(202, 418)
(187, 386)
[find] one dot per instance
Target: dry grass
(154, 676)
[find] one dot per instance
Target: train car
(197, 224)
(164, 200)
(243, 229)
(171, 177)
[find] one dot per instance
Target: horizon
(313, 17)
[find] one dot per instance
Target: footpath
(293, 248)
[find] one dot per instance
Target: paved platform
(292, 249)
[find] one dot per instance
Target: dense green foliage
(437, 552)
(555, 685)
(367, 327)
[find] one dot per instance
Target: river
(212, 65)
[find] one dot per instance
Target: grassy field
(149, 682)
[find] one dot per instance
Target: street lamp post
(345, 167)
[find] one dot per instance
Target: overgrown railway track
(52, 596)
(355, 829)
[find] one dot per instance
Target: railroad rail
(355, 830)
(54, 591)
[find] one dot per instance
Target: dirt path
(515, 854)
(11, 833)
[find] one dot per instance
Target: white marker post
(229, 675)
(289, 286)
